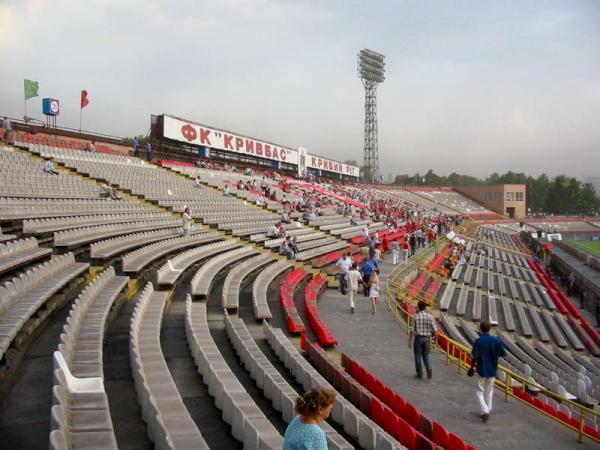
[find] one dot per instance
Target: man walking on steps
(486, 351)
(354, 279)
(343, 264)
(422, 329)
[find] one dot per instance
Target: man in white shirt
(395, 252)
(186, 221)
(197, 181)
(343, 264)
(354, 279)
(365, 234)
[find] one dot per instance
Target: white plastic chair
(74, 384)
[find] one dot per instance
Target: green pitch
(591, 247)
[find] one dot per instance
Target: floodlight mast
(371, 70)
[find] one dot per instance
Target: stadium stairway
(448, 398)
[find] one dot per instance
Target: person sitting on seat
(281, 231)
(294, 245)
(90, 147)
(273, 231)
(49, 167)
(197, 182)
(106, 191)
(286, 249)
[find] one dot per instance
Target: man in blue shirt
(486, 351)
(149, 152)
(136, 145)
(367, 269)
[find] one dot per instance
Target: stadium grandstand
(184, 299)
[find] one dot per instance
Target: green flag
(31, 89)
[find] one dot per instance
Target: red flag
(84, 99)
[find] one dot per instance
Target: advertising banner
(317, 162)
(191, 133)
(203, 136)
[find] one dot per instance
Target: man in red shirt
(405, 249)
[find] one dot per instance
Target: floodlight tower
(371, 70)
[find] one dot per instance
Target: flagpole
(25, 107)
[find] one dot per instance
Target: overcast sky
(471, 86)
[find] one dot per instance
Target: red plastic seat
(376, 411)
(592, 432)
(397, 404)
(425, 444)
(426, 427)
(455, 443)
(357, 372)
(406, 435)
(387, 396)
(379, 389)
(412, 416)
(538, 403)
(527, 397)
(549, 409)
(369, 382)
(440, 435)
(390, 421)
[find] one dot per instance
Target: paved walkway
(380, 344)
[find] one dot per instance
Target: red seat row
(548, 409)
(416, 286)
(583, 335)
(436, 263)
(444, 345)
(383, 235)
(563, 304)
(286, 296)
(317, 324)
(174, 163)
(432, 290)
(400, 418)
(557, 296)
(329, 258)
(591, 331)
(340, 380)
(75, 144)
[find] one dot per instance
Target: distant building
(505, 199)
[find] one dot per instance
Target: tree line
(560, 195)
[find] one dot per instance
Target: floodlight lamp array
(371, 66)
